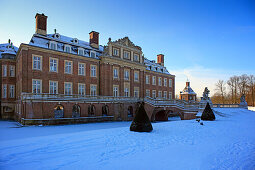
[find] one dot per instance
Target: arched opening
(76, 111)
(105, 110)
(130, 111)
(59, 111)
(161, 116)
(91, 110)
(173, 116)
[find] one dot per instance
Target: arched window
(105, 110)
(91, 110)
(59, 111)
(76, 112)
(130, 111)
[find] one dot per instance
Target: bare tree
(231, 84)
(221, 89)
(236, 82)
(251, 87)
(243, 84)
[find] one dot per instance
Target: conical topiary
(141, 122)
(208, 113)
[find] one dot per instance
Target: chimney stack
(94, 39)
(41, 24)
(160, 59)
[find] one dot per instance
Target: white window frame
(160, 81)
(53, 63)
(126, 75)
(68, 68)
(115, 73)
(81, 89)
(55, 45)
(93, 52)
(159, 94)
(170, 83)
(53, 87)
(81, 69)
(36, 62)
(170, 95)
(138, 56)
(136, 92)
(147, 79)
(93, 71)
(115, 90)
(165, 82)
(126, 92)
(153, 80)
(37, 86)
(4, 70)
(4, 91)
(154, 94)
(165, 95)
(68, 89)
(81, 51)
(12, 91)
(124, 55)
(67, 47)
(116, 52)
(136, 76)
(147, 93)
(12, 70)
(93, 90)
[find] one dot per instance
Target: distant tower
(188, 94)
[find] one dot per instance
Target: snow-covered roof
(188, 90)
(153, 66)
(8, 49)
(61, 40)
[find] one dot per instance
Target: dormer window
(93, 54)
(115, 52)
(80, 51)
(67, 48)
(57, 35)
(75, 40)
(127, 55)
(136, 57)
(53, 45)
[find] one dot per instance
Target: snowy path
(227, 143)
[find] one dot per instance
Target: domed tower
(188, 94)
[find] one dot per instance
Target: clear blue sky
(202, 40)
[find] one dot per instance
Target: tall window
(68, 67)
(136, 75)
(53, 45)
(136, 57)
(68, 88)
(170, 95)
(126, 92)
(92, 54)
(115, 51)
(115, 91)
(93, 90)
(160, 94)
(147, 79)
(165, 95)
(4, 70)
(136, 92)
(81, 69)
(93, 72)
(80, 51)
(153, 93)
(115, 73)
(53, 87)
(4, 95)
(68, 49)
(37, 86)
(126, 55)
(170, 82)
(53, 65)
(12, 71)
(154, 80)
(160, 81)
(37, 63)
(147, 93)
(126, 75)
(165, 82)
(81, 89)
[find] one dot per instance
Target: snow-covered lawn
(227, 143)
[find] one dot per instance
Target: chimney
(160, 60)
(94, 39)
(41, 24)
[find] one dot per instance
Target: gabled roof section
(153, 66)
(188, 90)
(8, 48)
(126, 42)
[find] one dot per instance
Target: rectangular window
(92, 54)
(154, 80)
(170, 95)
(68, 88)
(68, 67)
(115, 52)
(93, 71)
(68, 49)
(160, 81)
(170, 82)
(93, 90)
(160, 94)
(126, 92)
(115, 91)
(154, 94)
(136, 92)
(53, 65)
(81, 89)
(147, 79)
(115, 73)
(37, 63)
(80, 52)
(147, 93)
(53, 46)
(36, 86)
(81, 67)
(4, 70)
(136, 76)
(165, 95)
(126, 55)
(12, 71)
(136, 57)
(126, 74)
(4, 95)
(53, 87)
(165, 82)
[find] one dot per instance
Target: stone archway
(105, 110)
(76, 111)
(161, 115)
(59, 111)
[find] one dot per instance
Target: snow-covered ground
(227, 143)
